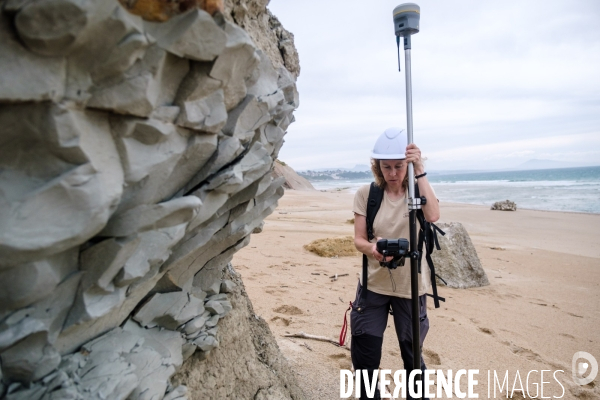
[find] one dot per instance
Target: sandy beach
(542, 306)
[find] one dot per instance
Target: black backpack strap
(428, 237)
(365, 278)
(373, 204)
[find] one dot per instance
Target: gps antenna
(406, 23)
(406, 19)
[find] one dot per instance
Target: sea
(563, 189)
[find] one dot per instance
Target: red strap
(345, 326)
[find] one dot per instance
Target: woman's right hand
(378, 256)
(360, 239)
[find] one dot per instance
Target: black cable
(398, 45)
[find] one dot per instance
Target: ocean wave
(531, 184)
(565, 195)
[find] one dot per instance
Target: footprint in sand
(575, 315)
(516, 396)
(281, 321)
(567, 335)
(288, 310)
(583, 392)
(539, 304)
(523, 352)
(275, 292)
(432, 356)
(487, 331)
(343, 360)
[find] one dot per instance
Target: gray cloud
(494, 83)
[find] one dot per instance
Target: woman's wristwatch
(420, 176)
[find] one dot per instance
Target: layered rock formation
(246, 365)
(135, 159)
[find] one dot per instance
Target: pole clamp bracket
(416, 203)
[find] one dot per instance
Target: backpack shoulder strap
(373, 204)
(428, 236)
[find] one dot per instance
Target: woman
(388, 288)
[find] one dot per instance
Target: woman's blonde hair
(378, 175)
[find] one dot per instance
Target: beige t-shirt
(391, 222)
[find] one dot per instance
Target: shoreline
(531, 316)
(346, 190)
(545, 193)
(522, 209)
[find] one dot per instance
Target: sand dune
(542, 306)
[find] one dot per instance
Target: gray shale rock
(504, 206)
(193, 35)
(25, 284)
(152, 81)
(158, 158)
(45, 316)
(201, 100)
(135, 161)
(146, 218)
(30, 359)
(27, 76)
(97, 294)
(169, 310)
(227, 286)
(61, 179)
(141, 273)
(457, 262)
(235, 65)
(176, 394)
(52, 27)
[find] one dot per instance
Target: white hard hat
(391, 145)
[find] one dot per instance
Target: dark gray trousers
(368, 325)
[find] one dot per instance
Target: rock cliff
(137, 140)
(292, 179)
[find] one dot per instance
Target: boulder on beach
(457, 261)
(504, 206)
(292, 179)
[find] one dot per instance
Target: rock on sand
(457, 261)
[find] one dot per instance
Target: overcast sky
(494, 83)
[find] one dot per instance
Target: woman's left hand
(432, 208)
(413, 154)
